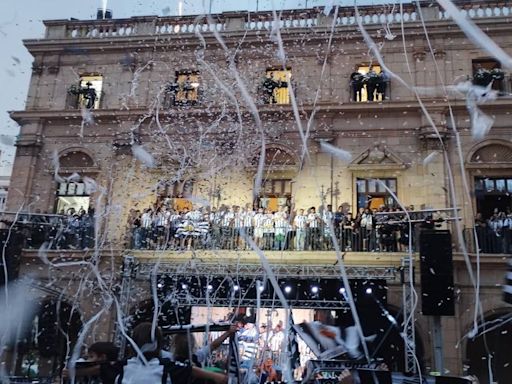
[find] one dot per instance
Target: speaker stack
(436, 267)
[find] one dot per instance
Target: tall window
(175, 194)
(91, 87)
(275, 86)
(486, 71)
(371, 193)
(368, 83)
(72, 197)
(493, 194)
(275, 193)
(187, 87)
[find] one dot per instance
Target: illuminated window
(486, 71)
(275, 86)
(90, 91)
(372, 194)
(187, 87)
(275, 193)
(175, 194)
(71, 198)
(368, 84)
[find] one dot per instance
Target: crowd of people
(383, 229)
(494, 234)
(177, 360)
(71, 229)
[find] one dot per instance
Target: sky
(22, 19)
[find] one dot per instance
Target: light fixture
(184, 286)
(369, 291)
(195, 84)
(209, 287)
(236, 288)
(342, 290)
(261, 288)
(314, 289)
(160, 285)
(287, 289)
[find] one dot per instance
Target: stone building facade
(191, 92)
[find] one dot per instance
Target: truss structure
(407, 277)
(198, 268)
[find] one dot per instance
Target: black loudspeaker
(507, 288)
(436, 266)
(452, 380)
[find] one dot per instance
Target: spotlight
(184, 286)
(369, 291)
(314, 289)
(160, 285)
(287, 289)
(209, 287)
(342, 290)
(236, 288)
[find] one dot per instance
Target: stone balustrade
(264, 20)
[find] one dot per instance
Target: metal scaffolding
(407, 280)
(198, 268)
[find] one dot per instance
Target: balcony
(58, 232)
(259, 21)
(77, 232)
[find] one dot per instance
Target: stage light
(314, 289)
(342, 290)
(160, 285)
(236, 288)
(369, 291)
(184, 286)
(287, 289)
(209, 287)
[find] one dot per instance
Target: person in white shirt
(327, 221)
(248, 224)
(268, 230)
(313, 230)
(280, 229)
(227, 229)
(259, 220)
(146, 223)
(299, 224)
(237, 227)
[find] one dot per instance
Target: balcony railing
(381, 238)
(489, 240)
(53, 231)
(262, 20)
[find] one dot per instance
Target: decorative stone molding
(378, 157)
(439, 53)
(419, 54)
(53, 69)
(37, 69)
(490, 154)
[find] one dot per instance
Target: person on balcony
(259, 220)
(372, 81)
(299, 224)
(281, 229)
(268, 87)
(313, 230)
(357, 83)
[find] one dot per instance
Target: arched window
(75, 159)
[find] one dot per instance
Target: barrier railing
(264, 20)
